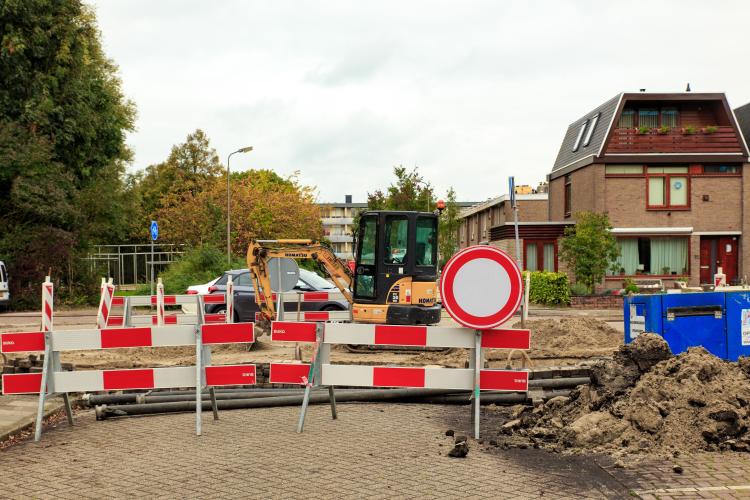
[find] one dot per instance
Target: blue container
(642, 313)
(738, 324)
(695, 319)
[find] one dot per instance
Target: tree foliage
(449, 226)
(589, 248)
(63, 120)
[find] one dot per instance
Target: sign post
(481, 288)
(519, 259)
(154, 234)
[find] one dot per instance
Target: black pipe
(157, 397)
(397, 395)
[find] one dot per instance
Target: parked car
(4, 290)
(197, 290)
(244, 295)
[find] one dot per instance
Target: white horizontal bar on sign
(139, 300)
(110, 380)
(349, 333)
(352, 375)
(398, 376)
(423, 336)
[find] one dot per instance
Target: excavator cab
(396, 266)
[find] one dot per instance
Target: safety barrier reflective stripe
(423, 336)
(317, 316)
(427, 378)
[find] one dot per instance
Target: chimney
(687, 89)
(348, 198)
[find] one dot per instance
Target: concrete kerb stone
(13, 421)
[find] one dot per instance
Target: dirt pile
(572, 337)
(645, 400)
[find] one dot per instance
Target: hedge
(549, 288)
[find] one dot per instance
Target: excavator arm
(261, 251)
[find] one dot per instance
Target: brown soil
(645, 401)
(572, 337)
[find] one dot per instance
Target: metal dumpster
(695, 319)
(738, 324)
(643, 313)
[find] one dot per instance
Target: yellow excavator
(395, 269)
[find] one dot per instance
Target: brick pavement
(705, 475)
(376, 451)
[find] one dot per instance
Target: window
(590, 131)
(244, 280)
(623, 170)
(669, 117)
(367, 246)
(364, 286)
(658, 255)
(648, 117)
(668, 187)
(627, 119)
(396, 233)
(568, 195)
(540, 255)
(426, 241)
(580, 136)
(721, 169)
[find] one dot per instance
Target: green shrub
(629, 286)
(579, 289)
(549, 288)
(198, 265)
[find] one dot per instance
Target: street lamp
(229, 198)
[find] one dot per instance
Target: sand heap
(645, 400)
(572, 337)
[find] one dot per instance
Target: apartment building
(337, 219)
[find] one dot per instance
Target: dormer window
(648, 117)
(627, 119)
(590, 131)
(579, 137)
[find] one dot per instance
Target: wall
(587, 184)
(626, 205)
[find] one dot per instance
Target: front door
(719, 251)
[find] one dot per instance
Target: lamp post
(229, 198)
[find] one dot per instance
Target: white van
(4, 291)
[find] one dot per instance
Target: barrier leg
(43, 388)
(57, 367)
(214, 408)
(303, 412)
(332, 398)
(477, 371)
(198, 379)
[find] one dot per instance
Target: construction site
(399, 250)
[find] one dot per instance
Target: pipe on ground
(157, 397)
(368, 396)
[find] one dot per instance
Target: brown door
(718, 252)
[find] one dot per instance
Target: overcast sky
(469, 91)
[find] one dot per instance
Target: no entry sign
(481, 287)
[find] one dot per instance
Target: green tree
(188, 169)
(63, 121)
(448, 228)
(589, 248)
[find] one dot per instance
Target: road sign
(284, 274)
(154, 230)
(481, 287)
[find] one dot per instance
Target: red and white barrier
(53, 380)
(475, 378)
(47, 305)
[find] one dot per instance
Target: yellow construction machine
(395, 273)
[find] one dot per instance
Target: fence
(131, 264)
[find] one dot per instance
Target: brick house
(491, 222)
(671, 172)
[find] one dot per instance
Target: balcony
(628, 140)
(337, 221)
(339, 238)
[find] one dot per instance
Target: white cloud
(342, 91)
